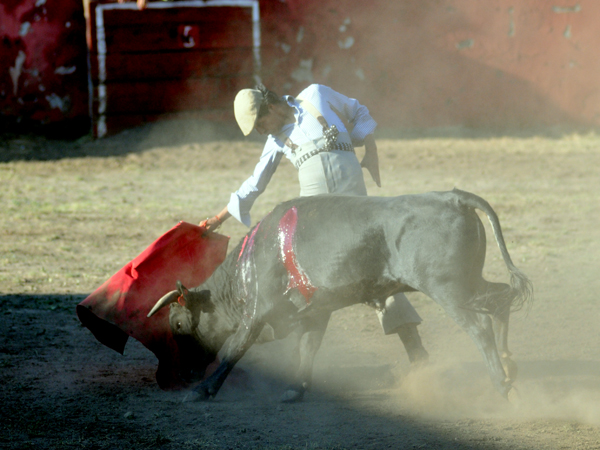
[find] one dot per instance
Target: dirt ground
(74, 212)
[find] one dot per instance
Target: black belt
(337, 146)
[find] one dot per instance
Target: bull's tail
(521, 289)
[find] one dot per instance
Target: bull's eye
(179, 325)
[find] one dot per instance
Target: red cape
(118, 308)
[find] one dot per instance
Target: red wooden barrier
(43, 68)
(414, 63)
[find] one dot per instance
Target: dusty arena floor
(73, 213)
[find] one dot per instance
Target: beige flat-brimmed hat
(245, 107)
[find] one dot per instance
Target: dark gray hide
(355, 250)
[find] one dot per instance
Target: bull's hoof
(198, 394)
(514, 398)
(510, 368)
(419, 358)
(292, 396)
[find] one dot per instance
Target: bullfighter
(316, 131)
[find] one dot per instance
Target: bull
(313, 255)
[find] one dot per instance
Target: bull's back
(356, 243)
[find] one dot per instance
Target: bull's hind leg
(499, 304)
(310, 336)
(479, 327)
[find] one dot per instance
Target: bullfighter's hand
(371, 160)
(211, 223)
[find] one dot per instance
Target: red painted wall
(43, 64)
(427, 63)
(414, 63)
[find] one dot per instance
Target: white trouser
(336, 172)
(397, 312)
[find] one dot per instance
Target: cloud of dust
(449, 391)
(169, 133)
(439, 391)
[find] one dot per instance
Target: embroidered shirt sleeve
(242, 200)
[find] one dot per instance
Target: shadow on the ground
(62, 389)
(32, 146)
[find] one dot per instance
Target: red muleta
(118, 308)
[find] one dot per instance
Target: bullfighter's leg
(479, 327)
(310, 336)
(400, 317)
(240, 342)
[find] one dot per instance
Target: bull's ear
(199, 302)
(206, 304)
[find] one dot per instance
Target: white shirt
(306, 127)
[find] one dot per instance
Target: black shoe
(409, 335)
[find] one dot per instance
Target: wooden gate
(172, 58)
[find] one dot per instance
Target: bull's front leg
(310, 337)
(240, 342)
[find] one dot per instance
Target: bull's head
(185, 308)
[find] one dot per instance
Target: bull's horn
(164, 301)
